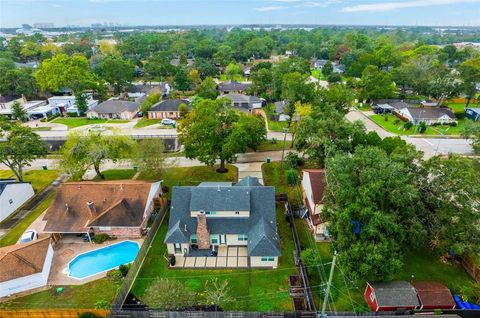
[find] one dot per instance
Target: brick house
(117, 208)
(168, 108)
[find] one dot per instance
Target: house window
(178, 248)
(193, 238)
(237, 212)
(372, 296)
(267, 259)
(242, 237)
(10, 201)
(214, 240)
(210, 212)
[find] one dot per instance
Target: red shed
(391, 296)
(433, 295)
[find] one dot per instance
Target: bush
(407, 125)
(292, 177)
(422, 127)
(100, 238)
(88, 315)
(114, 274)
(396, 121)
(102, 304)
(124, 268)
(453, 124)
(72, 114)
(293, 160)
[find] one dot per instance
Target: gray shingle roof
(280, 106)
(169, 105)
(260, 227)
(115, 106)
(232, 86)
(430, 112)
(395, 294)
(249, 182)
(241, 98)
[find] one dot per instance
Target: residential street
(430, 146)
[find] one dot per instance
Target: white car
(167, 121)
(28, 236)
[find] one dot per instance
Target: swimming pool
(103, 259)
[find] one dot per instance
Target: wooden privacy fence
(137, 264)
(471, 268)
(51, 313)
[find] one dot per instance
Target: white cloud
(271, 8)
(389, 6)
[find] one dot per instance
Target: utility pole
(327, 292)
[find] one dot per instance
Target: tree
(183, 110)
(295, 88)
(327, 69)
(81, 103)
(194, 76)
(82, 151)
(115, 71)
(216, 292)
(233, 71)
(19, 112)
(169, 294)
(224, 55)
(262, 82)
(150, 156)
(151, 99)
(18, 82)
(372, 219)
(207, 89)
(334, 78)
(376, 84)
(206, 68)
(181, 80)
(214, 131)
(451, 195)
(472, 132)
(469, 73)
(20, 148)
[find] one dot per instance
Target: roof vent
(218, 188)
(185, 228)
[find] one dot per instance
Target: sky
(13, 13)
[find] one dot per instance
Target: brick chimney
(203, 236)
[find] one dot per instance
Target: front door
(223, 239)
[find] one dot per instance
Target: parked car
(28, 236)
(167, 121)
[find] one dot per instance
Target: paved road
(429, 146)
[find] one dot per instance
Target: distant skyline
(14, 13)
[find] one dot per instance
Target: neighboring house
(25, 266)
(244, 103)
(428, 115)
(280, 110)
(114, 109)
(313, 188)
(319, 64)
(389, 105)
(212, 219)
(246, 71)
(33, 64)
(13, 194)
(433, 295)
(6, 103)
(117, 208)
(429, 103)
(35, 108)
(66, 104)
(232, 87)
(472, 113)
(168, 108)
(391, 296)
(140, 90)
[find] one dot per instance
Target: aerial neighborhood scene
(228, 159)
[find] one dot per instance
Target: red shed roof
(434, 295)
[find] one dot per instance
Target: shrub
(453, 124)
(102, 304)
(396, 121)
(114, 274)
(124, 268)
(100, 238)
(292, 177)
(72, 114)
(88, 315)
(291, 159)
(407, 125)
(422, 127)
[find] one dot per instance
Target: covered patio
(227, 257)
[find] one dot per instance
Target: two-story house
(313, 186)
(220, 225)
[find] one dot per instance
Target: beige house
(313, 188)
(114, 109)
(220, 225)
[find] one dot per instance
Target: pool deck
(65, 251)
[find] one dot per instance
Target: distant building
(428, 115)
(244, 103)
(232, 87)
(44, 25)
(66, 104)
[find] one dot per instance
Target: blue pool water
(103, 259)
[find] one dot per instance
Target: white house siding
(256, 261)
(28, 282)
(232, 240)
(171, 248)
(17, 194)
(307, 188)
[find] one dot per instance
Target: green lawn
(144, 122)
(118, 174)
(396, 126)
(267, 145)
(237, 78)
(73, 296)
(318, 75)
(187, 176)
(274, 125)
(251, 289)
(274, 175)
(40, 179)
(15, 233)
(73, 122)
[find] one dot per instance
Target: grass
(15, 233)
(73, 122)
(188, 176)
(237, 78)
(278, 126)
(318, 75)
(41, 128)
(267, 145)
(117, 174)
(144, 122)
(74, 296)
(396, 126)
(117, 121)
(40, 179)
(251, 289)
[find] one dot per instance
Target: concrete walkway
(252, 169)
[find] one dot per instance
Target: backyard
(40, 179)
(251, 289)
(278, 126)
